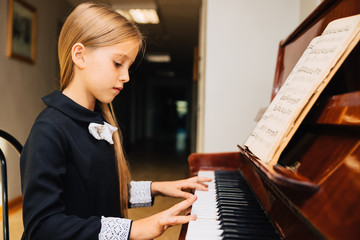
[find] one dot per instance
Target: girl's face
(107, 69)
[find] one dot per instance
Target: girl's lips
(118, 89)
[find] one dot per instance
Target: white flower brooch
(102, 131)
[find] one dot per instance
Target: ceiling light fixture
(125, 13)
(158, 58)
(141, 16)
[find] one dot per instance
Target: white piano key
(203, 229)
(206, 225)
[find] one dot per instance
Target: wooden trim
(338, 110)
(14, 205)
(195, 63)
(310, 20)
(32, 28)
(211, 161)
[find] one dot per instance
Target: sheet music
(306, 81)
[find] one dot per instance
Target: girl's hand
(174, 188)
(153, 226)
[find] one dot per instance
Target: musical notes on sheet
(305, 83)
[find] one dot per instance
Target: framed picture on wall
(22, 31)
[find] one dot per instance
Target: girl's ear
(77, 54)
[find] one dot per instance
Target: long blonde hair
(94, 26)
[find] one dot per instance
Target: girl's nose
(124, 76)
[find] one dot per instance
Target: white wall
(22, 85)
(238, 61)
(306, 7)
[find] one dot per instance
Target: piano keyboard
(229, 210)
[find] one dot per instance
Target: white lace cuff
(140, 194)
(115, 228)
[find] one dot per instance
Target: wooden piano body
(324, 153)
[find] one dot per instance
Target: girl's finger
(204, 179)
(184, 194)
(203, 184)
(199, 179)
(175, 220)
(195, 186)
(181, 206)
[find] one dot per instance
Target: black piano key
(233, 236)
(233, 196)
(251, 227)
(254, 232)
(238, 219)
(232, 191)
(237, 203)
(238, 209)
(240, 192)
(240, 214)
(243, 217)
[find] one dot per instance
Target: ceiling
(176, 34)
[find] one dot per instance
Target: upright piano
(324, 155)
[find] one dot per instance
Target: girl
(75, 179)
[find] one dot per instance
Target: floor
(163, 158)
(160, 160)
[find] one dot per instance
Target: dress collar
(67, 106)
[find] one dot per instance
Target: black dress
(69, 179)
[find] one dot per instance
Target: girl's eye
(117, 64)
